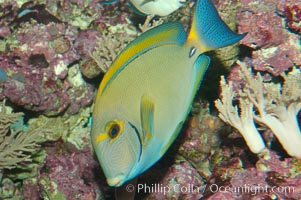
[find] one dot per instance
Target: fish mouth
(116, 182)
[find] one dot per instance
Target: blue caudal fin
(208, 30)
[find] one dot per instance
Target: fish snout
(117, 181)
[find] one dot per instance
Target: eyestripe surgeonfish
(146, 95)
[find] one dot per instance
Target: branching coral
(15, 146)
(110, 44)
(107, 50)
(272, 105)
(242, 121)
(149, 23)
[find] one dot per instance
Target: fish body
(156, 7)
(145, 97)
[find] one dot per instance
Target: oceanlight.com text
(252, 189)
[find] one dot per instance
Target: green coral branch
(16, 146)
(6, 120)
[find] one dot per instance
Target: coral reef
(42, 42)
(201, 138)
(37, 70)
(188, 164)
(69, 175)
(107, 47)
(261, 106)
(292, 14)
(43, 45)
(270, 178)
(272, 105)
(66, 169)
(71, 129)
(52, 55)
(16, 146)
(227, 10)
(181, 181)
(20, 152)
(274, 48)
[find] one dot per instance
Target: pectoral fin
(147, 118)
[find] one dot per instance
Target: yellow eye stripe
(101, 137)
(104, 136)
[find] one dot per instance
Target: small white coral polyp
(271, 105)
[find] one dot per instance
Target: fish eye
(114, 131)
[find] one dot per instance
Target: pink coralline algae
(197, 144)
(181, 181)
(45, 49)
(4, 31)
(274, 45)
(71, 175)
(35, 90)
(49, 43)
(36, 59)
(81, 13)
(264, 28)
(85, 44)
(201, 139)
(292, 14)
(270, 179)
(37, 70)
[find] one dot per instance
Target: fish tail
(208, 30)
